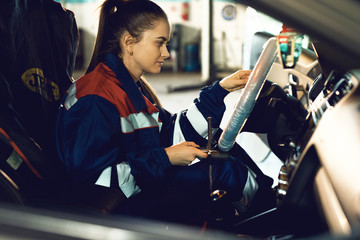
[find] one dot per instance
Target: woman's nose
(165, 53)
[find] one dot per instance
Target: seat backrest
(38, 44)
(257, 45)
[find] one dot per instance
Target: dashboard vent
(340, 90)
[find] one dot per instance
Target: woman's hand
(184, 153)
(236, 80)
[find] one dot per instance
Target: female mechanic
(112, 126)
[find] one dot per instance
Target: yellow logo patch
(34, 80)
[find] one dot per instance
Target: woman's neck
(134, 73)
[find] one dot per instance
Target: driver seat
(38, 45)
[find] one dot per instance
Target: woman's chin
(155, 70)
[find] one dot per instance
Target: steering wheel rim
(248, 98)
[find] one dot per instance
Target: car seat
(38, 44)
(257, 45)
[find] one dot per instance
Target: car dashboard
(324, 158)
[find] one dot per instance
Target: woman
(112, 130)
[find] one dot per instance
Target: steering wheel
(248, 98)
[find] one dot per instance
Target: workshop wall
(230, 31)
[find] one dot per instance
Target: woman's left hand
(236, 80)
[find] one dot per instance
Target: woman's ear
(128, 41)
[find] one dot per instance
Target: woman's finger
(192, 144)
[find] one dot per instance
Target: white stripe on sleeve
(71, 97)
(178, 136)
(197, 120)
(126, 181)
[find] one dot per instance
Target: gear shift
(218, 193)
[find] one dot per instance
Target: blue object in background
(192, 62)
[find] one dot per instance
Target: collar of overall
(129, 85)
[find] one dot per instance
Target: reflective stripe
(178, 136)
(126, 181)
(249, 192)
(71, 97)
(198, 121)
(14, 160)
(105, 178)
(140, 120)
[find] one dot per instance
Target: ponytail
(107, 8)
(147, 88)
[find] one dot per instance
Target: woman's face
(150, 52)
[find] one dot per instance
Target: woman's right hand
(236, 80)
(184, 153)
